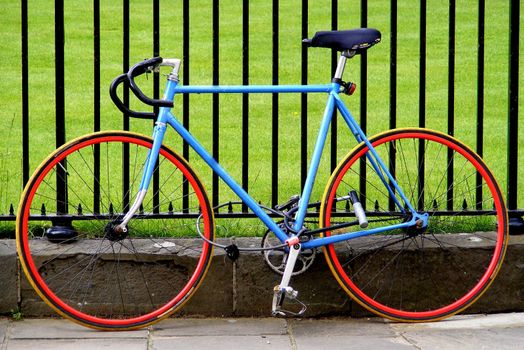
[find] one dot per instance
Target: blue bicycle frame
(165, 118)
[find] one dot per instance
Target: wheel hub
(114, 233)
(419, 227)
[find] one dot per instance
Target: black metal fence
(302, 10)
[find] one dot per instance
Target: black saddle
(357, 40)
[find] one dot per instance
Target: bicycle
(395, 203)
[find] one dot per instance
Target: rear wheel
(84, 268)
(418, 274)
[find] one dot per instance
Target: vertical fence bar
(334, 61)
(363, 100)
(422, 66)
(185, 97)
(363, 69)
(96, 104)
(513, 115)
(480, 97)
(125, 57)
(25, 95)
(156, 94)
(303, 98)
(59, 73)
(451, 68)
(245, 99)
(451, 99)
(125, 67)
(215, 102)
(274, 106)
(216, 114)
(96, 65)
(422, 101)
(156, 47)
(392, 89)
(393, 65)
(61, 179)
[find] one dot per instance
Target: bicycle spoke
(101, 276)
(405, 278)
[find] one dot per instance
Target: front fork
(149, 167)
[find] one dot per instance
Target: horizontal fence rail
(393, 35)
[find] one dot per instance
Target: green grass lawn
(79, 80)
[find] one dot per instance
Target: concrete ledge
(244, 288)
(9, 277)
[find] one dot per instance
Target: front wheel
(96, 275)
(417, 274)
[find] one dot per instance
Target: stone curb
(244, 287)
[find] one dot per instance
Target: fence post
(393, 88)
(303, 97)
(216, 100)
(25, 96)
(274, 106)
(61, 227)
(334, 62)
(185, 97)
(245, 99)
(61, 180)
(516, 223)
(363, 102)
(480, 95)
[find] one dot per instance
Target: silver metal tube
(294, 251)
(175, 64)
(340, 67)
(136, 205)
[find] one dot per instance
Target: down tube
(240, 192)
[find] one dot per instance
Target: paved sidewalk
(500, 331)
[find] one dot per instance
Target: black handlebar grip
(141, 68)
(121, 106)
(144, 66)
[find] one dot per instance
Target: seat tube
(315, 159)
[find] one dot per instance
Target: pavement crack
(149, 338)
(290, 332)
(409, 341)
(7, 335)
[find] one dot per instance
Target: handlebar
(129, 77)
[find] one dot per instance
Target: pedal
(279, 295)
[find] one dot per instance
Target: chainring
(276, 258)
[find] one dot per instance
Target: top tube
(224, 89)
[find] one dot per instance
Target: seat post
(340, 67)
(344, 55)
